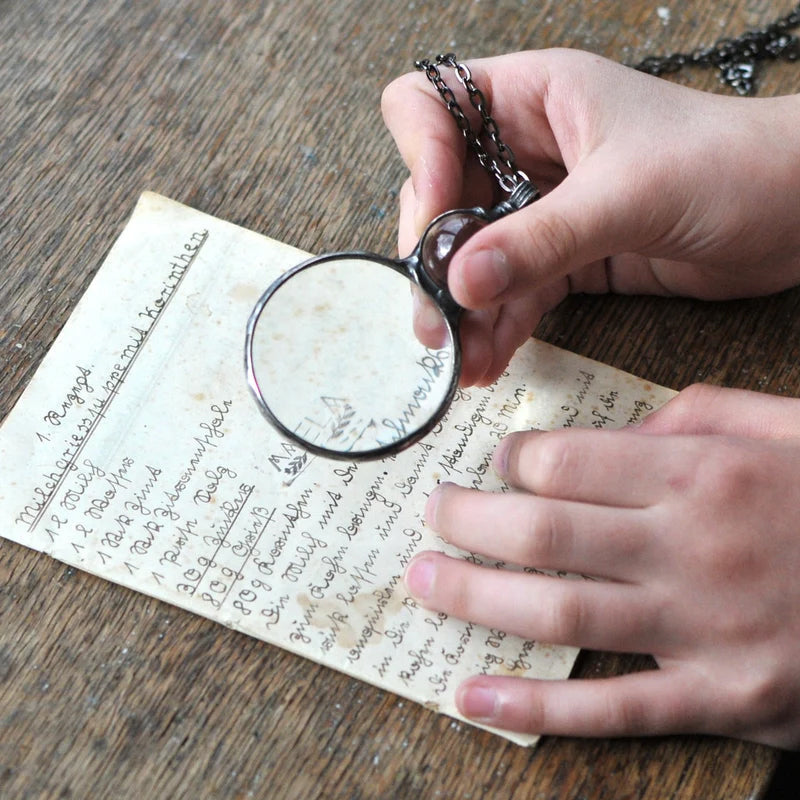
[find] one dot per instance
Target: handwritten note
(137, 454)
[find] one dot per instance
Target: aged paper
(137, 454)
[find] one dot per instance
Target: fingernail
(490, 274)
(432, 506)
(477, 702)
(500, 458)
(419, 577)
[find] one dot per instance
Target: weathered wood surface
(267, 114)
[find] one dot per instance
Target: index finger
(430, 144)
(621, 468)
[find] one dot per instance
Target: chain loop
(736, 59)
(503, 165)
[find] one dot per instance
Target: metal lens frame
(410, 268)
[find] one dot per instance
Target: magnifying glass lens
(334, 361)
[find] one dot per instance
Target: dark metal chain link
(502, 165)
(736, 59)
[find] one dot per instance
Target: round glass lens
(333, 359)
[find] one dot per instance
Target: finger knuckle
(628, 715)
(699, 397)
(728, 475)
(538, 716)
(549, 536)
(730, 561)
(551, 240)
(566, 617)
(762, 694)
(451, 510)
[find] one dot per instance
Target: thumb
(587, 217)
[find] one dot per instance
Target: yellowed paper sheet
(137, 454)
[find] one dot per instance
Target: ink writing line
(155, 314)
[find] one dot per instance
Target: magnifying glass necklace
(360, 382)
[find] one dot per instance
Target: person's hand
(650, 187)
(689, 524)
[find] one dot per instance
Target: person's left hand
(690, 525)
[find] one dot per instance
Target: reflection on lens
(333, 358)
(443, 237)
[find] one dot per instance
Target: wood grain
(267, 114)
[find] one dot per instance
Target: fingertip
(505, 458)
(477, 346)
(395, 93)
(433, 507)
(429, 324)
(420, 575)
(477, 699)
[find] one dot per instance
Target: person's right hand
(650, 187)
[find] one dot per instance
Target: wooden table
(267, 114)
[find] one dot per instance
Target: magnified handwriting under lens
(138, 455)
(344, 324)
(434, 371)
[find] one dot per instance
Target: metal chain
(502, 165)
(736, 59)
